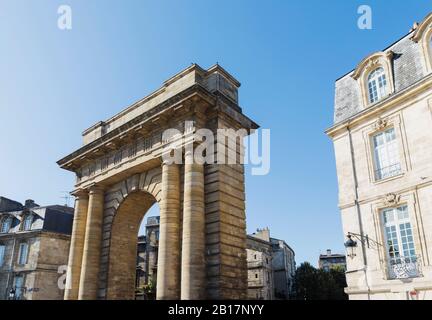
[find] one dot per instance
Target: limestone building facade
(331, 260)
(121, 173)
(147, 254)
(271, 267)
(34, 247)
(260, 270)
(383, 145)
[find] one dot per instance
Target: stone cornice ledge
(196, 89)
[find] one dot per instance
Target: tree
(315, 284)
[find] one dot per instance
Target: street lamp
(350, 246)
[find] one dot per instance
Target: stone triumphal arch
(121, 173)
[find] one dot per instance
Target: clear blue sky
(287, 54)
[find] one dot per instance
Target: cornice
(370, 62)
(155, 115)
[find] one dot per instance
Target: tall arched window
(377, 85)
(6, 224)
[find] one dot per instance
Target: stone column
(76, 246)
(92, 246)
(193, 243)
(168, 272)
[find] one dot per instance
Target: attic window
(27, 222)
(6, 224)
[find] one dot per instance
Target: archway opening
(147, 255)
(122, 270)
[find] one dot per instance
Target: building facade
(331, 260)
(34, 247)
(284, 267)
(383, 145)
(147, 254)
(260, 270)
(271, 267)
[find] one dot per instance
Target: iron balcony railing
(388, 172)
(404, 267)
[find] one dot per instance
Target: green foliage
(315, 284)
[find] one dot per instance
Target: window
(28, 220)
(256, 275)
(6, 224)
(430, 47)
(18, 284)
(399, 243)
(2, 254)
(377, 85)
(386, 154)
(23, 253)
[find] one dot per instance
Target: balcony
(255, 264)
(388, 172)
(404, 267)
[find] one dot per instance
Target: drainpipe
(8, 284)
(354, 169)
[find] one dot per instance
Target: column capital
(79, 193)
(95, 189)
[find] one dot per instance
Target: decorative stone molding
(380, 124)
(369, 64)
(423, 36)
(392, 199)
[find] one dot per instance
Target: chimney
(329, 252)
(30, 204)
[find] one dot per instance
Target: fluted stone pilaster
(168, 275)
(193, 241)
(92, 246)
(76, 246)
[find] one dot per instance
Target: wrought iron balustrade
(404, 267)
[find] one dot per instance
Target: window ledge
(395, 177)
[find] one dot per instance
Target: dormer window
(377, 85)
(27, 222)
(375, 77)
(6, 224)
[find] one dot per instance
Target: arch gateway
(121, 173)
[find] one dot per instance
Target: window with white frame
(399, 242)
(386, 154)
(23, 253)
(28, 220)
(6, 224)
(377, 85)
(2, 254)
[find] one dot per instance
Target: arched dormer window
(423, 36)
(375, 77)
(377, 85)
(6, 224)
(27, 222)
